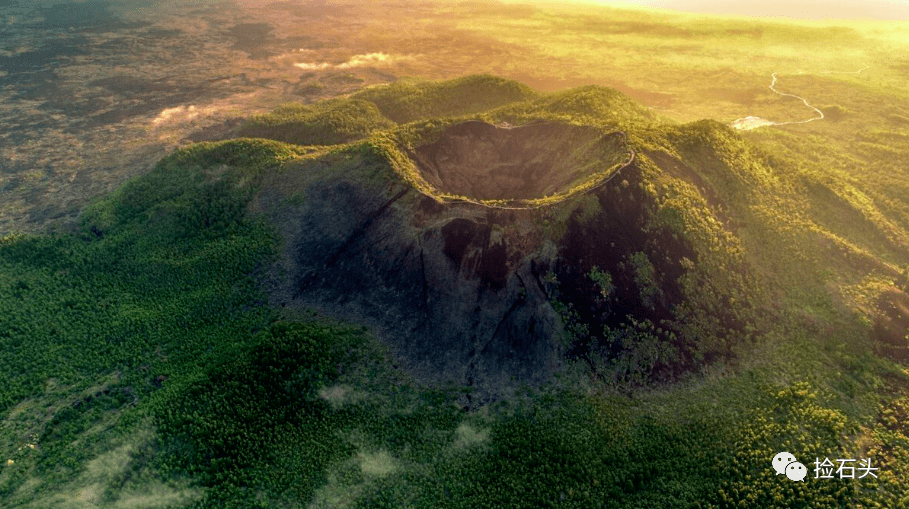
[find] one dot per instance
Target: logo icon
(795, 471)
(780, 461)
(785, 463)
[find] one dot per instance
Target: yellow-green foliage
(887, 441)
(388, 147)
(589, 105)
(407, 101)
(327, 123)
(249, 154)
(188, 189)
(820, 185)
(792, 421)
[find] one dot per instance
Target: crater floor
(482, 161)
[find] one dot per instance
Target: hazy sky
(804, 9)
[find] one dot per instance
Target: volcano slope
(483, 255)
(457, 285)
(577, 304)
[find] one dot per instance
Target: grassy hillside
(143, 368)
(382, 107)
(328, 123)
(407, 101)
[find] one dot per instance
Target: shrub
(834, 112)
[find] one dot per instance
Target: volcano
(485, 255)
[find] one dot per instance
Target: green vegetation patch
(156, 284)
(407, 101)
(191, 192)
(589, 105)
(564, 449)
(254, 426)
(327, 123)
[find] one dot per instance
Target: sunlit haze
(804, 9)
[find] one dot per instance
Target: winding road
(754, 122)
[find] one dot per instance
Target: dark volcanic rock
(455, 298)
(483, 296)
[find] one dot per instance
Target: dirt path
(754, 122)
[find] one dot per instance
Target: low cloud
(377, 464)
(180, 113)
(368, 59)
(466, 437)
(313, 67)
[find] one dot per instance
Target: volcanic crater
(482, 161)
